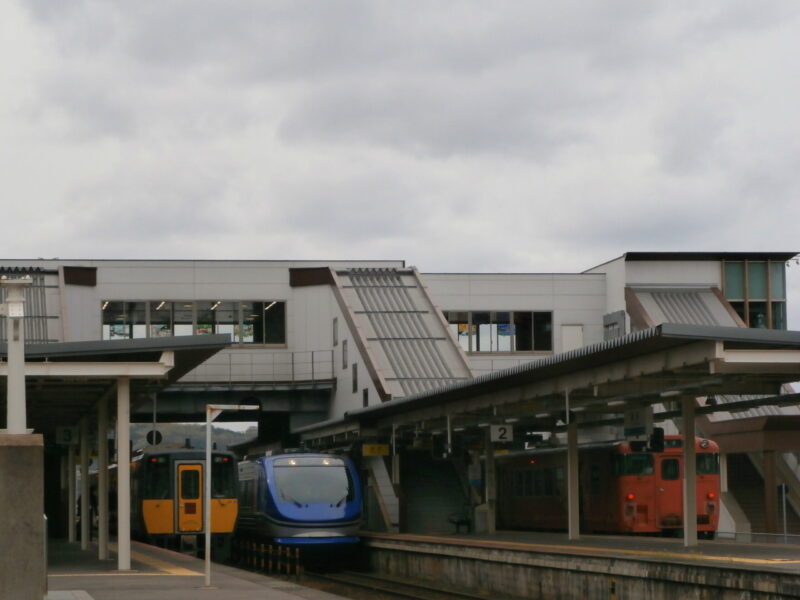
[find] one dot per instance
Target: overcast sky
(459, 136)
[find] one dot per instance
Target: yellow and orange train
(167, 495)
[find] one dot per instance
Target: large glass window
(246, 322)
(502, 331)
(670, 469)
(275, 322)
(757, 292)
(115, 321)
(184, 318)
(160, 318)
(459, 328)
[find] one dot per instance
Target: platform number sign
(67, 436)
(502, 433)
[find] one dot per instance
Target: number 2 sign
(502, 433)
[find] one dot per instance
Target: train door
(190, 497)
(669, 491)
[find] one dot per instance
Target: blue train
(300, 499)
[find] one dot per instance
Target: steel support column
(71, 495)
(123, 474)
(102, 478)
(769, 469)
(573, 491)
(85, 518)
(689, 473)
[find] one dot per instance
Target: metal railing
(254, 366)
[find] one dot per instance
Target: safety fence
(268, 558)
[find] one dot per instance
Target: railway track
(374, 587)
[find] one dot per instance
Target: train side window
(528, 488)
(559, 481)
(594, 479)
(518, 485)
(670, 469)
(549, 482)
(223, 478)
(708, 464)
(538, 483)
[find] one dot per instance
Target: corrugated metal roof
(685, 305)
(413, 349)
(666, 335)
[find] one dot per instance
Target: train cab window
(708, 463)
(305, 480)
(223, 477)
(190, 485)
(670, 469)
(156, 483)
(634, 464)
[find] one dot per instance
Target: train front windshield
(306, 480)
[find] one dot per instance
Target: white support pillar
(573, 491)
(689, 473)
(13, 309)
(123, 474)
(84, 441)
(102, 479)
(71, 495)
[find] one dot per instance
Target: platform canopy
(599, 383)
(64, 380)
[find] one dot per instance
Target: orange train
(167, 496)
(622, 490)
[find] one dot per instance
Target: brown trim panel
(86, 276)
(306, 276)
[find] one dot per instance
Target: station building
(315, 342)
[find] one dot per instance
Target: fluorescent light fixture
(105, 304)
(458, 429)
(616, 403)
(541, 415)
(270, 305)
(161, 305)
(216, 304)
(512, 420)
(483, 424)
(669, 393)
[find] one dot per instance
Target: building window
(335, 331)
(246, 322)
(365, 397)
(344, 354)
(756, 289)
(502, 331)
(355, 377)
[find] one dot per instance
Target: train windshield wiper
(342, 499)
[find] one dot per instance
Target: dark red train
(622, 490)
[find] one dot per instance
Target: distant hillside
(176, 434)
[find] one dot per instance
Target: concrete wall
(499, 572)
(573, 298)
(22, 566)
(684, 272)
